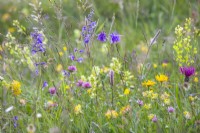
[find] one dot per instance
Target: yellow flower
(154, 96)
(78, 109)
(111, 114)
(5, 16)
(61, 53)
(161, 78)
(59, 68)
(150, 116)
(196, 79)
(125, 109)
(164, 96)
(167, 101)
(155, 65)
(187, 115)
(164, 64)
(15, 86)
(65, 48)
(67, 87)
(127, 91)
(148, 83)
(11, 29)
(147, 106)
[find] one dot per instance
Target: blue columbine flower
(102, 37)
(114, 38)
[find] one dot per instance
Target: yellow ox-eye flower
(15, 86)
(148, 83)
(161, 78)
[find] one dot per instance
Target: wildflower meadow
(99, 66)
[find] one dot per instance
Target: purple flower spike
(102, 37)
(170, 109)
(187, 71)
(72, 68)
(114, 38)
(86, 85)
(52, 90)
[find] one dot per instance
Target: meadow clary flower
(114, 38)
(102, 37)
(38, 45)
(52, 90)
(86, 85)
(72, 68)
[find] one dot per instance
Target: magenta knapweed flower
(72, 68)
(170, 109)
(102, 37)
(86, 85)
(114, 38)
(52, 90)
(187, 71)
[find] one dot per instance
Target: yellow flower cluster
(187, 114)
(111, 114)
(125, 109)
(15, 86)
(78, 109)
(150, 94)
(147, 106)
(115, 65)
(165, 98)
(184, 50)
(127, 91)
(148, 83)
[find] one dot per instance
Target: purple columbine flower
(170, 109)
(52, 90)
(114, 38)
(187, 71)
(79, 83)
(72, 68)
(86, 85)
(140, 102)
(154, 119)
(102, 37)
